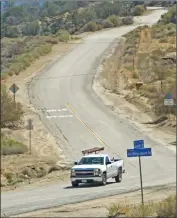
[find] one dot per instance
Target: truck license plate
(84, 181)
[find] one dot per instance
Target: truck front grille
(84, 172)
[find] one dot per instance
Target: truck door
(109, 168)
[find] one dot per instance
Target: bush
(107, 24)
(171, 32)
(10, 73)
(139, 10)
(163, 40)
(63, 35)
(16, 68)
(44, 49)
(127, 20)
(167, 208)
(115, 20)
(3, 76)
(11, 147)
(91, 26)
(99, 26)
(11, 112)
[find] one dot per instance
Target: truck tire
(74, 184)
(118, 178)
(104, 179)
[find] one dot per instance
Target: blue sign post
(138, 144)
(139, 151)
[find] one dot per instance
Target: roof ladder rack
(95, 150)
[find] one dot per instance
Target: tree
(139, 10)
(63, 35)
(12, 32)
(115, 20)
(127, 20)
(11, 112)
(91, 26)
(31, 29)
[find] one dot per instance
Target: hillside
(30, 30)
(146, 67)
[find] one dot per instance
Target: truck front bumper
(86, 179)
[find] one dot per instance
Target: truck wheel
(118, 178)
(75, 184)
(104, 179)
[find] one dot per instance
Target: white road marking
(61, 116)
(55, 110)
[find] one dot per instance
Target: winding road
(66, 103)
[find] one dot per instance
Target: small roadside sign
(30, 124)
(138, 144)
(169, 96)
(140, 152)
(168, 102)
(14, 88)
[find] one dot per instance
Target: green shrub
(17, 73)
(10, 73)
(163, 40)
(11, 112)
(127, 20)
(99, 26)
(3, 76)
(35, 54)
(139, 10)
(16, 68)
(115, 20)
(11, 147)
(91, 26)
(107, 24)
(63, 35)
(171, 32)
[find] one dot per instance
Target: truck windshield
(91, 160)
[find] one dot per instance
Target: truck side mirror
(108, 162)
(75, 163)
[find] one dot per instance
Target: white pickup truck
(96, 168)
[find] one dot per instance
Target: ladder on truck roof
(95, 150)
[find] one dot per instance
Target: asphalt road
(69, 81)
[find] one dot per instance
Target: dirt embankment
(137, 59)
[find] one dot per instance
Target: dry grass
(149, 66)
(165, 208)
(19, 54)
(18, 170)
(11, 147)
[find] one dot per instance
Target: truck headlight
(73, 173)
(97, 172)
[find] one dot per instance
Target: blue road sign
(14, 88)
(139, 152)
(138, 144)
(169, 96)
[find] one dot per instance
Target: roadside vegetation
(30, 30)
(146, 66)
(150, 57)
(165, 208)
